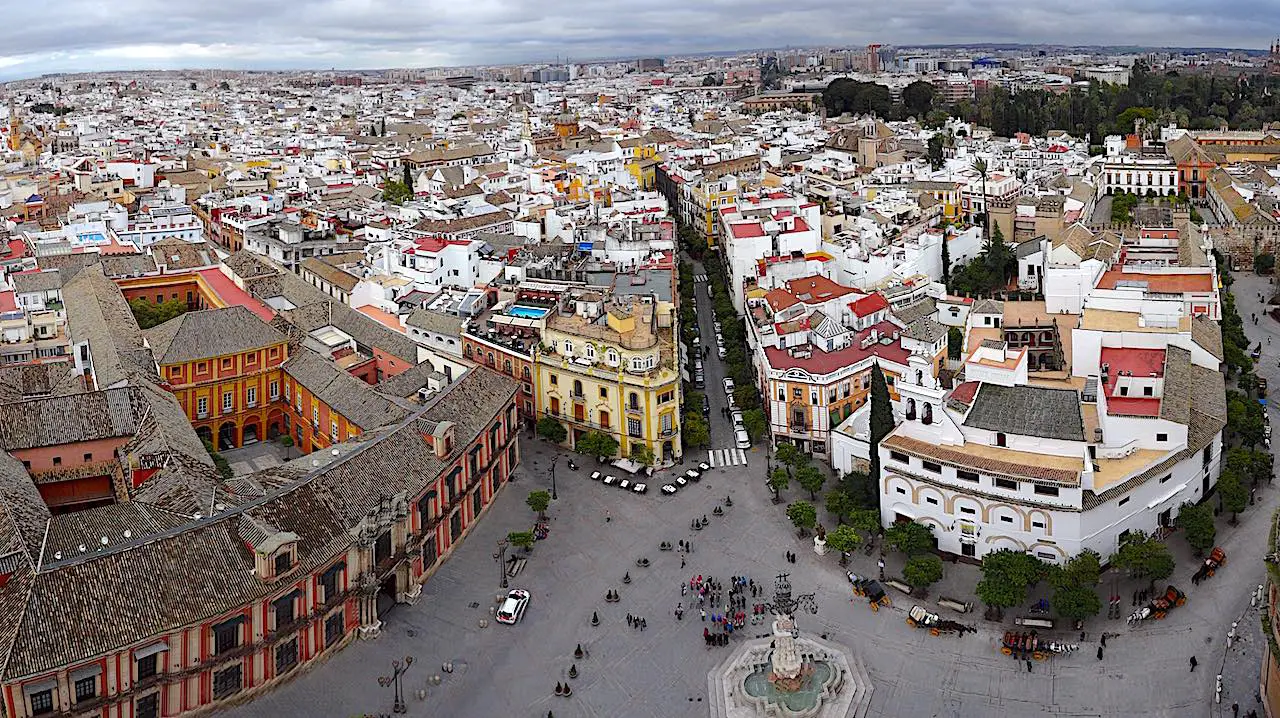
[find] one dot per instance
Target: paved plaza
(598, 532)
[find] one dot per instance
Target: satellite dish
(104, 541)
(128, 533)
(82, 548)
(57, 555)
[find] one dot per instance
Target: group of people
(733, 616)
(637, 622)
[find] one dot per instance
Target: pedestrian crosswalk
(727, 457)
(699, 277)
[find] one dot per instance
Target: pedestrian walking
(643, 624)
(1028, 665)
(629, 619)
(880, 564)
(1235, 710)
(703, 613)
(1099, 653)
(1104, 639)
(1194, 663)
(683, 589)
(607, 516)
(682, 562)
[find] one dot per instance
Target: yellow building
(612, 367)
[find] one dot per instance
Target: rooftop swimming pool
(527, 312)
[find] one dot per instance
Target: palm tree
(980, 166)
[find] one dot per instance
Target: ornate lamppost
(553, 478)
(398, 669)
(501, 558)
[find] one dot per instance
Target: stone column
(786, 659)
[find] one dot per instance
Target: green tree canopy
(1196, 521)
(803, 515)
(843, 539)
(152, 315)
(1144, 557)
(917, 98)
(840, 504)
(909, 537)
(788, 454)
(695, 433)
(538, 501)
(922, 571)
(862, 488)
(754, 421)
(521, 539)
(811, 479)
(1006, 576)
(866, 520)
(599, 444)
(1235, 497)
(552, 430)
(779, 480)
(641, 454)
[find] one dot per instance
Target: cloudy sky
(78, 35)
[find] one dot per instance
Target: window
(555, 380)
(634, 428)
(333, 430)
(284, 561)
(201, 367)
(796, 392)
(899, 456)
(568, 347)
(782, 394)
(931, 466)
(251, 396)
(1006, 484)
(901, 490)
(1162, 437)
(1046, 556)
(1037, 524)
(288, 392)
(1000, 439)
(666, 396)
(202, 406)
(86, 688)
(966, 475)
(227, 364)
(1007, 519)
(1165, 478)
(968, 510)
(591, 351)
(931, 500)
(226, 682)
(1148, 390)
(228, 400)
(147, 666)
(633, 401)
(334, 627)
(604, 393)
(329, 579)
(611, 356)
(57, 461)
(226, 636)
(287, 656)
(147, 706)
(42, 702)
(477, 502)
(577, 388)
(1123, 501)
(1046, 490)
(274, 390)
(88, 457)
(315, 414)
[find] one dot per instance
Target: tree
(862, 488)
(1196, 521)
(1264, 263)
(803, 515)
(922, 571)
(980, 167)
(599, 445)
(810, 479)
(840, 504)
(1234, 496)
(746, 396)
(845, 540)
(406, 177)
(936, 160)
(521, 539)
(1006, 576)
(779, 480)
(955, 343)
(219, 461)
(917, 98)
(1143, 556)
(710, 80)
(642, 454)
(909, 537)
(754, 421)
(881, 420)
(867, 521)
(552, 430)
(151, 315)
(1075, 595)
(946, 261)
(788, 454)
(696, 434)
(396, 192)
(539, 501)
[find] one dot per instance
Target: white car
(720, 352)
(680, 481)
(693, 475)
(716, 324)
(737, 420)
(704, 466)
(733, 403)
(740, 437)
(728, 386)
(513, 607)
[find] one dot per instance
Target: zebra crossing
(727, 457)
(700, 278)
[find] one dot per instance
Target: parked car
(706, 406)
(624, 484)
(610, 480)
(699, 380)
(720, 352)
(737, 420)
(697, 343)
(704, 467)
(512, 608)
(728, 386)
(681, 481)
(733, 403)
(716, 324)
(743, 441)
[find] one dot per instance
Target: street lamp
(501, 558)
(553, 478)
(393, 680)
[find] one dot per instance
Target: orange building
(325, 405)
(223, 365)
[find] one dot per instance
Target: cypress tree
(881, 419)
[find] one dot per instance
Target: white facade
(1139, 175)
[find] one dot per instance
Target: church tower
(15, 127)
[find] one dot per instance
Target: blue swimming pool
(527, 312)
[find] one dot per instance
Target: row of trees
(738, 363)
(695, 433)
(149, 315)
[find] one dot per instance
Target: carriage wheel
(1211, 573)
(1006, 650)
(886, 601)
(1184, 598)
(875, 607)
(934, 632)
(1039, 656)
(911, 622)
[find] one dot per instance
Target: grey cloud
(127, 34)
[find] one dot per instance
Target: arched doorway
(205, 434)
(275, 425)
(227, 436)
(250, 434)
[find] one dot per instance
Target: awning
(151, 650)
(40, 686)
(288, 597)
(1167, 496)
(85, 672)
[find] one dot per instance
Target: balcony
(669, 432)
(634, 409)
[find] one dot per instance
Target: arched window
(911, 409)
(506, 366)
(492, 363)
(577, 388)
(919, 376)
(466, 351)
(590, 349)
(926, 414)
(526, 373)
(611, 356)
(633, 400)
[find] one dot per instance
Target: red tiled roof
(747, 229)
(818, 289)
(1134, 362)
(233, 295)
(7, 302)
(1163, 283)
(965, 392)
(780, 299)
(820, 362)
(868, 305)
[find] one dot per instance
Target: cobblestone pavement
(661, 672)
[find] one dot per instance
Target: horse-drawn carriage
(1024, 645)
(1159, 606)
(919, 617)
(1210, 565)
(870, 589)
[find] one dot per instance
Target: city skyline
(78, 36)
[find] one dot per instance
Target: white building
(1139, 175)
